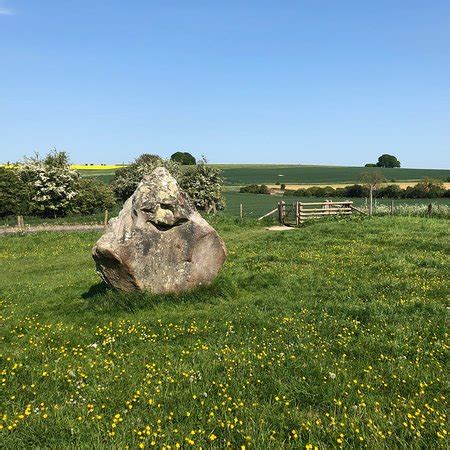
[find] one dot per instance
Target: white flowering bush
(52, 184)
(204, 185)
(52, 189)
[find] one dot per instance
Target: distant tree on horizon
(389, 161)
(184, 158)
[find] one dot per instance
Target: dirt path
(37, 228)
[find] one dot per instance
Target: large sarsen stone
(159, 242)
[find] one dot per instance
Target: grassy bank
(332, 335)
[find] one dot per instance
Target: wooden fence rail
(305, 211)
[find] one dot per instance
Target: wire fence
(251, 208)
(423, 207)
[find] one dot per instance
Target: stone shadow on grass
(101, 298)
(95, 289)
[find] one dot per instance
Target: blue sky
(312, 81)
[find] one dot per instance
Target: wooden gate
(301, 212)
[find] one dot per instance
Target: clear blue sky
(312, 81)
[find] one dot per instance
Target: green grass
(256, 205)
(243, 174)
(106, 175)
(332, 335)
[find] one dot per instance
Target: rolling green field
(330, 336)
(270, 174)
(239, 175)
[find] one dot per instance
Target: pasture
(256, 205)
(330, 336)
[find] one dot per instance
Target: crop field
(330, 336)
(270, 174)
(105, 175)
(239, 175)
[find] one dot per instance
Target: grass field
(239, 175)
(332, 336)
(256, 205)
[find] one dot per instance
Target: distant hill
(242, 174)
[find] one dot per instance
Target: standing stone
(159, 242)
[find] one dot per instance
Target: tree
(371, 180)
(183, 158)
(14, 193)
(390, 191)
(254, 189)
(388, 161)
(370, 165)
(355, 190)
(56, 159)
(92, 196)
(426, 188)
(315, 191)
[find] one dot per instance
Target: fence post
(392, 207)
(105, 220)
(371, 201)
(297, 219)
(280, 212)
(20, 223)
(430, 209)
(241, 211)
